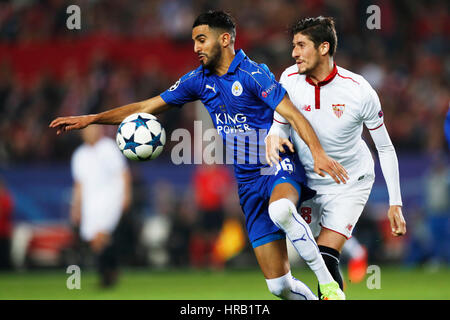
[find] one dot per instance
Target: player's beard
(213, 58)
(310, 69)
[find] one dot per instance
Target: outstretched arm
(322, 162)
(114, 116)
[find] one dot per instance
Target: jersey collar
(238, 58)
(328, 79)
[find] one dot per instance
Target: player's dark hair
(319, 30)
(217, 20)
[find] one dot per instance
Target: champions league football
(141, 137)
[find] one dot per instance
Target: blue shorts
(254, 198)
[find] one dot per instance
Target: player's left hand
(274, 145)
(398, 224)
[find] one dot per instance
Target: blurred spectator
(419, 245)
(131, 227)
(437, 189)
(183, 224)
(156, 230)
(101, 193)
(212, 185)
(6, 211)
(368, 234)
(232, 241)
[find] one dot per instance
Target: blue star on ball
(139, 121)
(156, 141)
(130, 144)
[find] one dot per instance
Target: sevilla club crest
(338, 109)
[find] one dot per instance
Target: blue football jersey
(241, 104)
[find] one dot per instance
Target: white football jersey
(336, 108)
(99, 169)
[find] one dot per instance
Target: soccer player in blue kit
(241, 97)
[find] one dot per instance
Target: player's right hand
(323, 162)
(274, 145)
(397, 221)
(64, 124)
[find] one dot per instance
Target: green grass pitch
(247, 284)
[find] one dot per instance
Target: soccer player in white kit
(101, 194)
(337, 103)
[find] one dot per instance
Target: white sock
(289, 288)
(284, 214)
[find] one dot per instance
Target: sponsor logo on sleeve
(265, 93)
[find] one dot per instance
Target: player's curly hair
(319, 29)
(217, 20)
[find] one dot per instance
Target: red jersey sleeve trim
(348, 78)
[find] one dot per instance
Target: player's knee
(280, 211)
(280, 287)
(280, 292)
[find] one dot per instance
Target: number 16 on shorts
(286, 165)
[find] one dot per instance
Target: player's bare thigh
(331, 239)
(284, 191)
(273, 259)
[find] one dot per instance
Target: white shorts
(337, 212)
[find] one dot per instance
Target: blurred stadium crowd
(132, 50)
